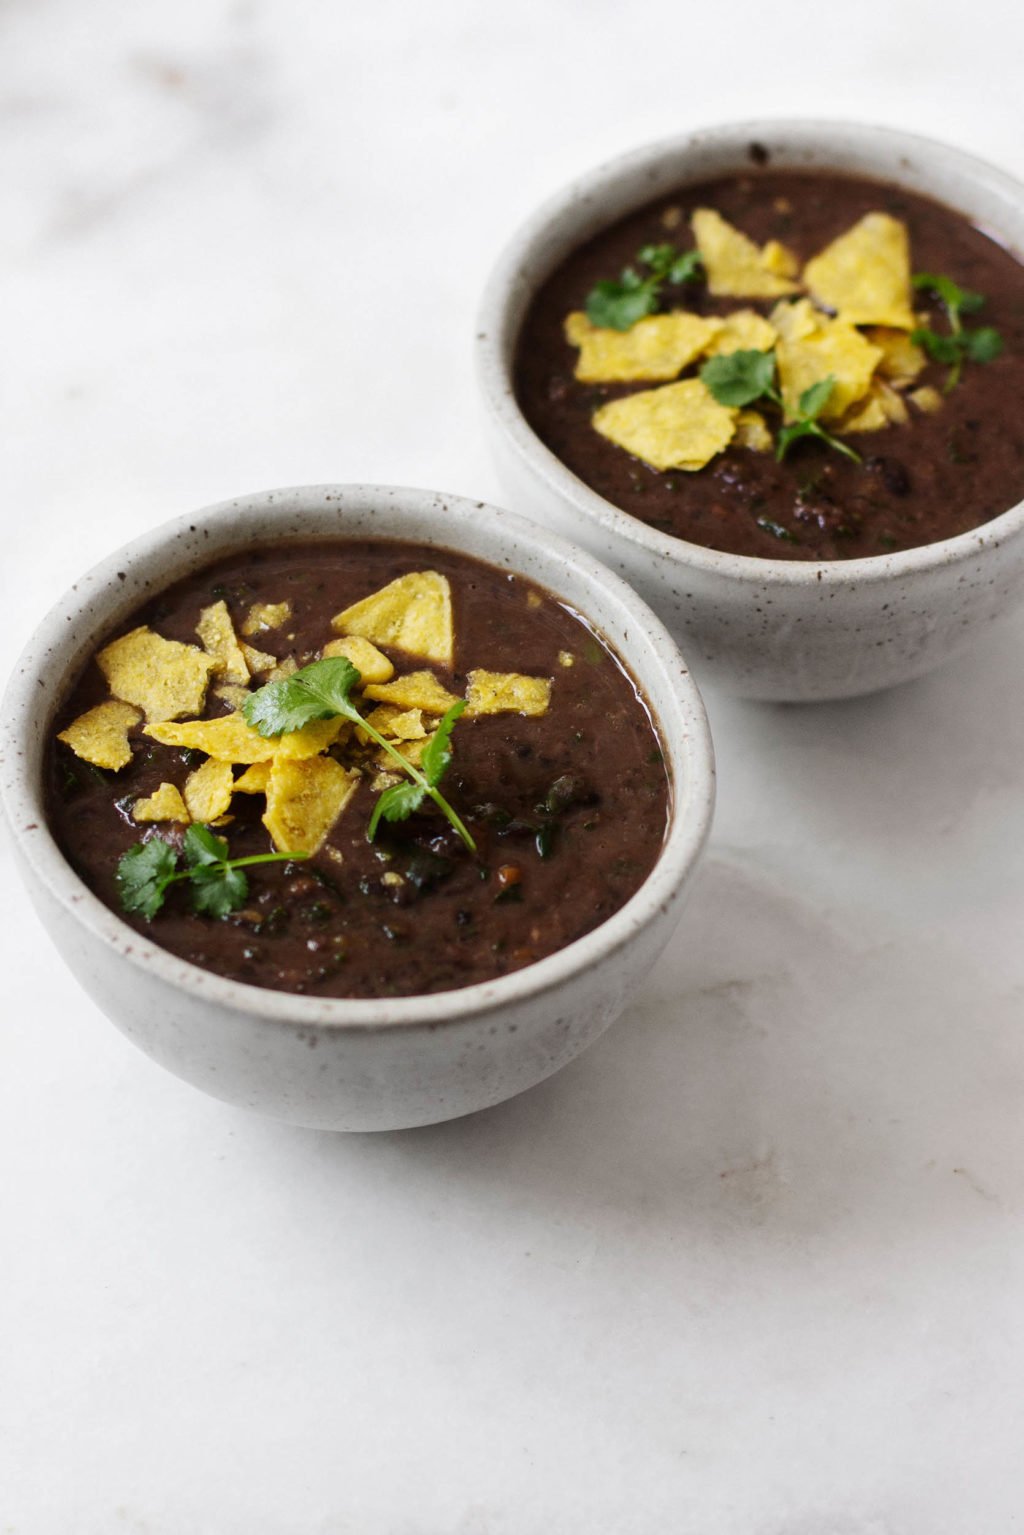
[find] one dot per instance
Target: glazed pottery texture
(761, 628)
(360, 1064)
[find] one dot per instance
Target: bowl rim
(78, 619)
(504, 291)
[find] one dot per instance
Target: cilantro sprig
(617, 305)
(981, 344)
(217, 883)
(744, 377)
(321, 691)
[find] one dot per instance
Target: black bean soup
(938, 475)
(568, 810)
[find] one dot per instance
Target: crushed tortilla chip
(401, 725)
(679, 426)
(901, 360)
(232, 693)
(412, 613)
(412, 751)
(830, 347)
(507, 693)
(217, 633)
(927, 399)
(742, 331)
(566, 658)
(794, 320)
(880, 407)
(286, 668)
(100, 735)
(266, 615)
(165, 804)
(304, 799)
(416, 690)
(230, 739)
(371, 664)
(735, 266)
(164, 678)
(864, 275)
(657, 347)
(752, 432)
(254, 780)
(258, 661)
(208, 790)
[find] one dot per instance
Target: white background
(755, 1264)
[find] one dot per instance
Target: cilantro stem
(239, 863)
(428, 788)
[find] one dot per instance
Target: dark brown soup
(567, 805)
(940, 472)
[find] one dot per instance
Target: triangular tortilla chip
(679, 426)
(304, 799)
(656, 347)
(737, 268)
(412, 613)
(864, 275)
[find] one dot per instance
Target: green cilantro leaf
(437, 754)
(316, 692)
(216, 882)
(143, 874)
(740, 378)
(218, 888)
(202, 846)
(982, 345)
(396, 804)
(619, 305)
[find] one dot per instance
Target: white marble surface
(753, 1266)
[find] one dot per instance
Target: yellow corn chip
(778, 258)
(208, 790)
(656, 347)
(283, 669)
(254, 780)
(100, 735)
(371, 663)
(735, 266)
(879, 408)
(742, 331)
(752, 432)
(232, 693)
(412, 751)
(927, 399)
(230, 739)
(258, 661)
(266, 615)
(831, 348)
(164, 678)
(304, 799)
(864, 275)
(566, 658)
(416, 690)
(166, 804)
(792, 321)
(413, 613)
(679, 426)
(901, 360)
(401, 725)
(217, 633)
(507, 693)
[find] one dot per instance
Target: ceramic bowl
(761, 628)
(360, 1064)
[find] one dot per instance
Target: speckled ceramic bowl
(362, 1064)
(759, 627)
